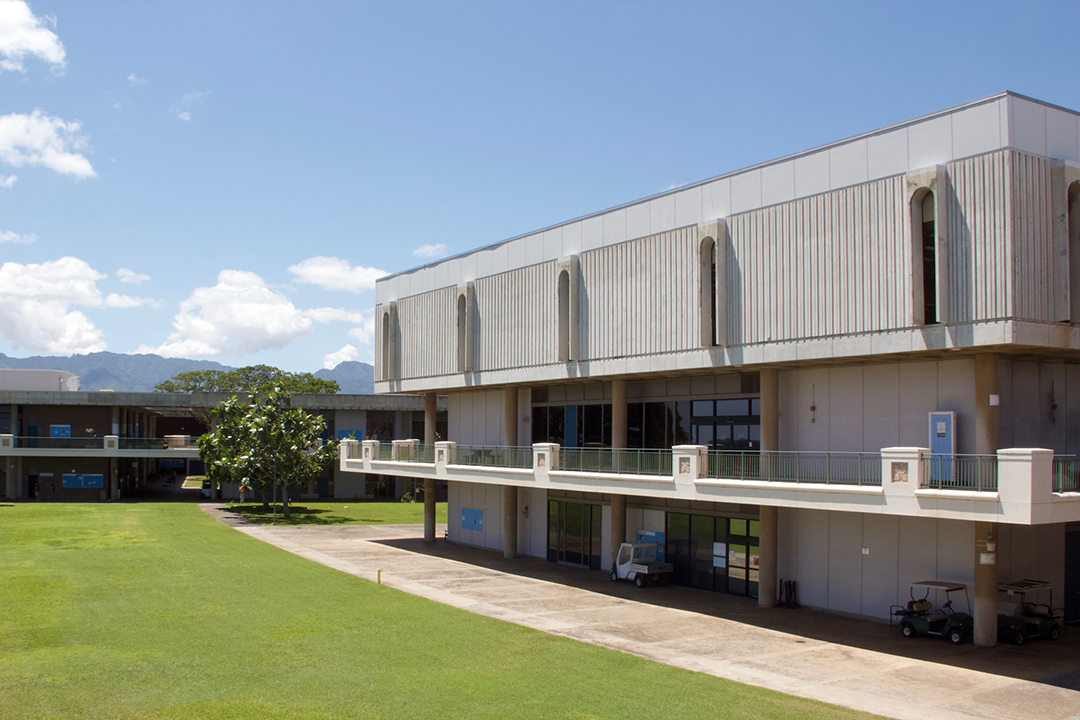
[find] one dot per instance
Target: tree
(266, 443)
(254, 379)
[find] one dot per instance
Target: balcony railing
(609, 460)
(385, 451)
(1066, 473)
(493, 456)
(960, 472)
(143, 444)
(51, 443)
(798, 467)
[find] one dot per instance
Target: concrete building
(854, 368)
(78, 446)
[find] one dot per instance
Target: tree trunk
(262, 494)
(285, 501)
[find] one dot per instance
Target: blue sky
(225, 180)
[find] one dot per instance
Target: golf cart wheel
(908, 630)
(639, 581)
(615, 576)
(956, 637)
(1018, 637)
(1055, 633)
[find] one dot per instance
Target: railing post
(370, 451)
(111, 442)
(7, 442)
(402, 450)
(1025, 484)
(686, 466)
(445, 454)
(349, 449)
(545, 458)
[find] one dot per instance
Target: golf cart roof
(940, 585)
(1023, 586)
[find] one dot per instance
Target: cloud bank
(22, 34)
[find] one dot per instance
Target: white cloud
(365, 333)
(431, 251)
(117, 105)
(126, 301)
(134, 80)
(10, 237)
(37, 139)
(238, 316)
(130, 276)
(23, 34)
(332, 360)
(187, 102)
(325, 315)
(35, 312)
(7, 182)
(335, 274)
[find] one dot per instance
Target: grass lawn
(193, 483)
(155, 610)
(309, 512)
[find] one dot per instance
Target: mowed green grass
(308, 512)
(158, 611)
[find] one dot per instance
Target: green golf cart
(919, 617)
(1019, 619)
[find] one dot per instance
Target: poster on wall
(59, 431)
(472, 519)
(719, 551)
(80, 480)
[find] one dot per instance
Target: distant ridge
(140, 373)
(354, 378)
(114, 371)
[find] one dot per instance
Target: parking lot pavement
(857, 663)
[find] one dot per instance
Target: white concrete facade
(848, 292)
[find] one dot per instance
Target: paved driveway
(857, 663)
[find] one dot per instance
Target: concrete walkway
(863, 665)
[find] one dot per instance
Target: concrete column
(114, 480)
(430, 414)
(767, 556)
(510, 515)
(767, 529)
(9, 478)
(618, 413)
(770, 405)
(510, 416)
(984, 611)
(618, 524)
(986, 415)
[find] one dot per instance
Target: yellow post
(380, 576)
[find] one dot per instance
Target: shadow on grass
(300, 515)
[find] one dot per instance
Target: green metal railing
(1066, 473)
(616, 460)
(494, 456)
(960, 472)
(385, 451)
(798, 467)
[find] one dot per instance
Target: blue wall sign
(59, 431)
(653, 537)
(79, 480)
(472, 519)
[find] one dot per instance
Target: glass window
(570, 426)
(592, 433)
(556, 424)
(703, 408)
(540, 425)
(606, 436)
(703, 434)
(731, 407)
(682, 423)
(635, 436)
(755, 528)
(655, 414)
(738, 527)
(755, 406)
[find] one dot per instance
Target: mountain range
(140, 373)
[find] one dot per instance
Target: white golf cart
(637, 562)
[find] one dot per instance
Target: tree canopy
(266, 443)
(254, 380)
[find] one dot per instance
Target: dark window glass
(701, 552)
(606, 438)
(755, 406)
(731, 407)
(703, 434)
(570, 426)
(655, 416)
(635, 435)
(703, 408)
(740, 437)
(540, 425)
(593, 428)
(677, 547)
(682, 423)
